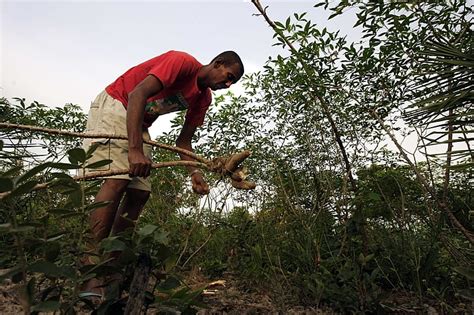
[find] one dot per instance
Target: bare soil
(227, 297)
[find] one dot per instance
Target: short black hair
(230, 57)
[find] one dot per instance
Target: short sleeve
(170, 67)
(195, 114)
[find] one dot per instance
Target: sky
(58, 52)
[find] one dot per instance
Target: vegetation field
(362, 154)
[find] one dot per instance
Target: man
(169, 82)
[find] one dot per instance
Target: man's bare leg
(130, 208)
(127, 214)
(101, 221)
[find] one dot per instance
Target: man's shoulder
(180, 54)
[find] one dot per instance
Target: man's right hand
(140, 165)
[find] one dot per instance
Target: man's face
(222, 76)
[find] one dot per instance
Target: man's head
(223, 71)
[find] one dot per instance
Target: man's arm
(184, 141)
(140, 165)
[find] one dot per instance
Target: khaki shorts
(108, 116)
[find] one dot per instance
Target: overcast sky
(58, 52)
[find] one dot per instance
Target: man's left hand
(199, 184)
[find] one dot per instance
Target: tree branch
(100, 135)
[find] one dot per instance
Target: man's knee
(117, 185)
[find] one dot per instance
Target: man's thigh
(108, 116)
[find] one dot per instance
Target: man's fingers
(201, 189)
(205, 188)
(140, 169)
(131, 171)
(135, 170)
(147, 170)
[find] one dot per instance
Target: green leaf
(46, 306)
(47, 268)
(161, 237)
(99, 164)
(10, 273)
(170, 262)
(374, 196)
(22, 229)
(75, 197)
(181, 293)
(77, 156)
(127, 256)
(24, 188)
(87, 276)
(56, 237)
(5, 227)
(465, 271)
(28, 291)
(1, 145)
(61, 211)
(112, 244)
(6, 184)
(279, 24)
(169, 284)
(287, 24)
(52, 251)
(147, 230)
(91, 149)
(84, 295)
(12, 172)
(72, 214)
(65, 186)
(64, 166)
(338, 12)
(98, 204)
(32, 172)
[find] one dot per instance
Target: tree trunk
(138, 286)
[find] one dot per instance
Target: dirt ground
(220, 297)
(9, 303)
(225, 296)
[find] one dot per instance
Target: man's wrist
(135, 149)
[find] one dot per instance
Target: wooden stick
(224, 166)
(101, 135)
(95, 175)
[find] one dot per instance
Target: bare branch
(100, 135)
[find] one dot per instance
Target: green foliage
(388, 192)
(70, 117)
(43, 248)
(305, 235)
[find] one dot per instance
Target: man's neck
(201, 77)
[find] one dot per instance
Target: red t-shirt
(177, 71)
